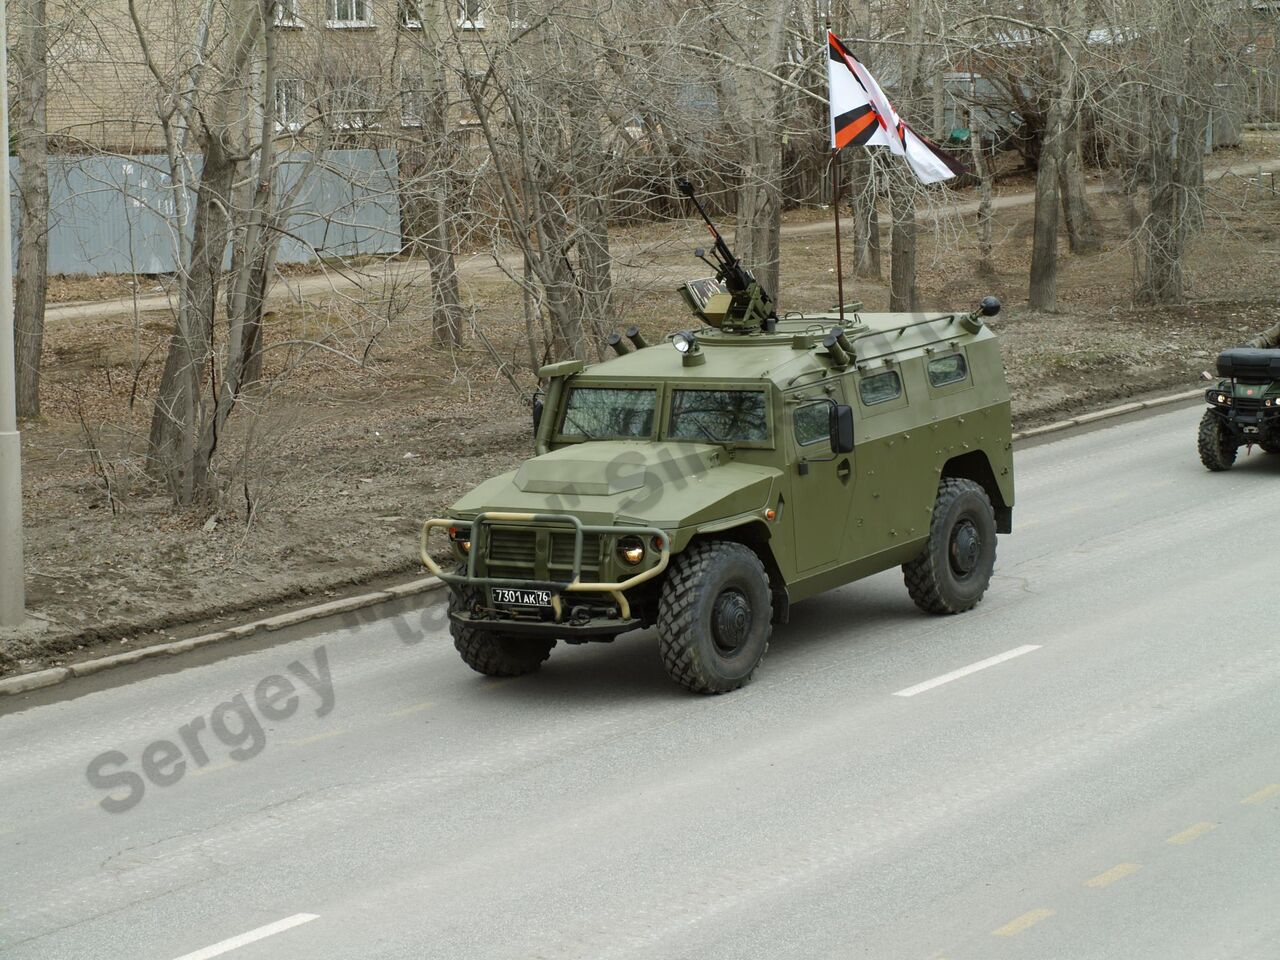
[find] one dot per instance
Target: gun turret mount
(733, 300)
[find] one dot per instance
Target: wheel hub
(731, 621)
(966, 548)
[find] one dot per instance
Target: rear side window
(813, 423)
(949, 369)
(881, 388)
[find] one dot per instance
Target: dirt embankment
(327, 476)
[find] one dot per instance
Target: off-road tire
(1216, 445)
(715, 614)
(954, 570)
(496, 654)
(1269, 447)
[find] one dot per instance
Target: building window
(350, 13)
(353, 104)
(291, 103)
(471, 14)
(518, 13)
(409, 14)
(413, 101)
(286, 13)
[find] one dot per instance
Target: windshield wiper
(569, 418)
(697, 422)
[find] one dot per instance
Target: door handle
(844, 471)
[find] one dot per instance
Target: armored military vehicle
(707, 483)
(1244, 407)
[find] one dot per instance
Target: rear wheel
(714, 617)
(1215, 442)
(496, 654)
(953, 572)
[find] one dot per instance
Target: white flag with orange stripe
(862, 115)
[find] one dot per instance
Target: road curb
(48, 678)
(1135, 406)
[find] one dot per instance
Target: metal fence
(111, 214)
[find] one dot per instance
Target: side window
(949, 369)
(813, 423)
(880, 388)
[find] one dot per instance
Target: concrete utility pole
(12, 587)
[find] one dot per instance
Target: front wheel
(1216, 443)
(714, 617)
(953, 572)
(496, 654)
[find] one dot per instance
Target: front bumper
(570, 632)
(574, 584)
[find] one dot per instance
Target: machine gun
(735, 301)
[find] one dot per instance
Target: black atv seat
(1249, 363)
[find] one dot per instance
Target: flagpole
(835, 196)
(835, 205)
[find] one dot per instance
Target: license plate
(517, 596)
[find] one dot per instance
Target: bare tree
(1067, 19)
(30, 132)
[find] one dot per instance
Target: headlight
(684, 342)
(630, 550)
(461, 537)
(1223, 399)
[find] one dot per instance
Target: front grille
(562, 553)
(509, 548)
(516, 552)
(1247, 404)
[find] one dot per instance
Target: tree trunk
(903, 293)
(1082, 225)
(866, 220)
(1059, 120)
(446, 304)
(181, 409)
(986, 267)
(30, 133)
(1044, 242)
(758, 237)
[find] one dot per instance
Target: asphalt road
(1110, 791)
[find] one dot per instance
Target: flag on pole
(862, 115)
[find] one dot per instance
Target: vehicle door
(822, 482)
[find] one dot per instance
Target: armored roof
(793, 348)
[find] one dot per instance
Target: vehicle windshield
(599, 412)
(721, 416)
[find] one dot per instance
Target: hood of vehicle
(606, 468)
(605, 481)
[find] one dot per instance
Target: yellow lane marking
(1192, 832)
(1028, 919)
(201, 771)
(1266, 793)
(1118, 872)
(317, 738)
(416, 708)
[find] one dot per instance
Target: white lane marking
(271, 929)
(965, 671)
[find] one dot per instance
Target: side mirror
(841, 428)
(989, 307)
(538, 407)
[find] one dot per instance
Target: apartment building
(349, 72)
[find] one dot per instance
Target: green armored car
(707, 483)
